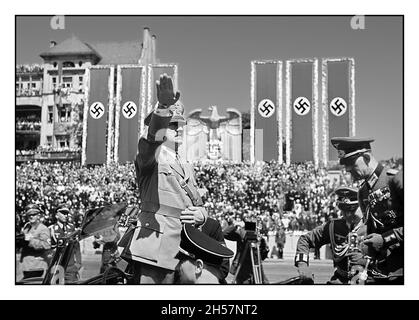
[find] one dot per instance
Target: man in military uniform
(61, 229)
(337, 233)
(168, 191)
(200, 257)
(381, 199)
(36, 244)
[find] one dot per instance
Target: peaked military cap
(347, 198)
(32, 209)
(197, 245)
(178, 110)
(63, 209)
(351, 147)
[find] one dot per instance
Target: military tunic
(167, 187)
(34, 255)
(335, 233)
(381, 199)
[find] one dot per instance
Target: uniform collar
(172, 159)
(373, 178)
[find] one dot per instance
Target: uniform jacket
(381, 198)
(159, 176)
(335, 233)
(35, 253)
(280, 237)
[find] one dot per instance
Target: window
(62, 141)
(54, 82)
(80, 63)
(67, 82)
(50, 114)
(65, 113)
(33, 85)
(80, 84)
(68, 64)
(49, 140)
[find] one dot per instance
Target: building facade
(50, 96)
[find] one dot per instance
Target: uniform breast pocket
(167, 180)
(148, 236)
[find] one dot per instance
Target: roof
(128, 52)
(70, 46)
(118, 52)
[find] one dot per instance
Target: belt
(165, 210)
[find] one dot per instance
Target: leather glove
(374, 240)
(357, 258)
(165, 94)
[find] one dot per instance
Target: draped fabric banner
(154, 72)
(302, 111)
(338, 96)
(130, 103)
(98, 115)
(266, 111)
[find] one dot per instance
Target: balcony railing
(28, 92)
(28, 126)
(29, 68)
(55, 154)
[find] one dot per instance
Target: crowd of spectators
(296, 196)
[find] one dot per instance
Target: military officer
(168, 191)
(61, 229)
(337, 233)
(381, 199)
(200, 257)
(34, 257)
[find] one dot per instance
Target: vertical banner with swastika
(130, 104)
(338, 102)
(266, 111)
(98, 115)
(302, 111)
(154, 72)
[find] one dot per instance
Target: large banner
(266, 111)
(98, 115)
(130, 111)
(154, 71)
(302, 111)
(338, 97)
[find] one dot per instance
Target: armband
(301, 257)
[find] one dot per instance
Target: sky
(214, 55)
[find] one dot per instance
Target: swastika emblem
(338, 106)
(129, 109)
(301, 106)
(266, 108)
(97, 110)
